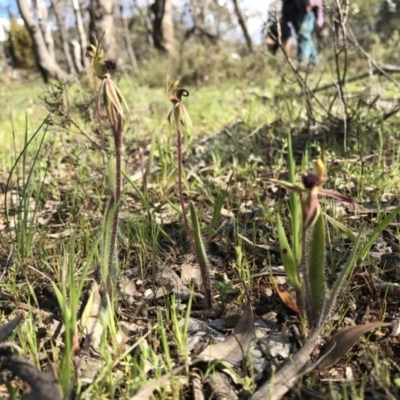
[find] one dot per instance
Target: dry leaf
(288, 375)
(285, 296)
(170, 282)
(221, 387)
(231, 350)
(234, 348)
(343, 340)
(7, 329)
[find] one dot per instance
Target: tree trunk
(127, 38)
(242, 23)
(57, 9)
(46, 63)
(40, 8)
(82, 61)
(102, 21)
(163, 28)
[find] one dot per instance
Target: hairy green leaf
(316, 273)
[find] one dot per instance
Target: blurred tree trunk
(146, 20)
(242, 22)
(46, 62)
(82, 61)
(58, 13)
(198, 11)
(127, 37)
(102, 20)
(163, 28)
(40, 9)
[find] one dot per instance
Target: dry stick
(342, 78)
(81, 131)
(379, 69)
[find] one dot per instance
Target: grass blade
(218, 206)
(378, 230)
(341, 281)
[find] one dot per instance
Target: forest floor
(52, 201)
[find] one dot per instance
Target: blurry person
(279, 37)
(302, 16)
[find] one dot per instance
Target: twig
(343, 11)
(377, 69)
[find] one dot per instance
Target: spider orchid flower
(108, 91)
(175, 94)
(309, 194)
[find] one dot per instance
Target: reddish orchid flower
(309, 194)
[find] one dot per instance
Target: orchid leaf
(316, 273)
(200, 249)
(201, 255)
(288, 260)
(295, 206)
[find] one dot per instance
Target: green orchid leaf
(288, 260)
(315, 273)
(295, 206)
(201, 254)
(198, 239)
